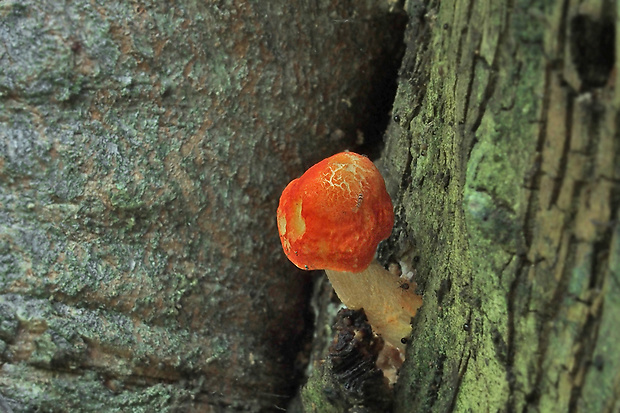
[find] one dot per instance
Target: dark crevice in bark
(493, 71)
(559, 179)
(378, 106)
(462, 369)
(434, 388)
(469, 138)
(584, 356)
(554, 69)
(298, 348)
(463, 37)
(535, 174)
(592, 49)
(349, 378)
(415, 66)
(588, 337)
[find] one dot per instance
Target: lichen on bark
(504, 162)
(144, 148)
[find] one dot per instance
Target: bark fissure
(563, 159)
(462, 369)
(530, 175)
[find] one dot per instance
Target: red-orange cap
(335, 214)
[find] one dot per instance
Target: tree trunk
(504, 159)
(143, 148)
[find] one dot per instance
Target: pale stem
(387, 305)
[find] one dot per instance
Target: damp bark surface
(143, 148)
(504, 164)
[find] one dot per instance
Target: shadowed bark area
(143, 149)
(348, 377)
(505, 164)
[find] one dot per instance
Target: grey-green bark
(143, 148)
(504, 166)
(505, 163)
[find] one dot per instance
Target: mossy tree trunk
(505, 164)
(143, 148)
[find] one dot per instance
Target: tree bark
(143, 147)
(504, 159)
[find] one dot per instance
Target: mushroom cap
(335, 214)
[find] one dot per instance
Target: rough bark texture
(505, 165)
(143, 147)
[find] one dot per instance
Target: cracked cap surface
(335, 214)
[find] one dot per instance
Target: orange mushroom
(332, 218)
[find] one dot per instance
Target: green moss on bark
(487, 190)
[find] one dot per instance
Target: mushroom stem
(388, 307)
